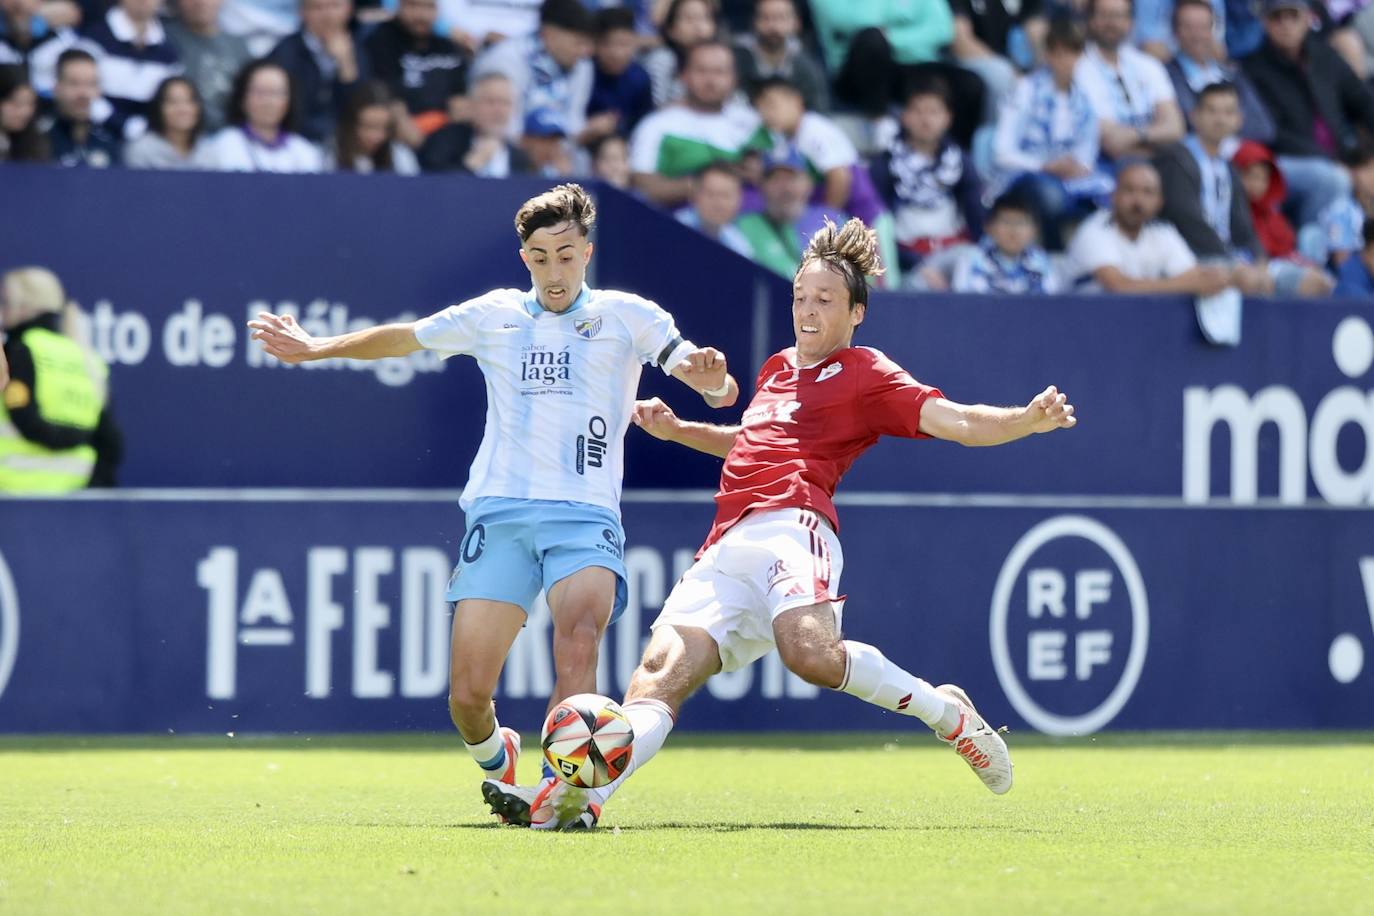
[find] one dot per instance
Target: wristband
(720, 392)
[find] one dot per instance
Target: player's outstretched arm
(283, 337)
(704, 371)
(658, 420)
(979, 424)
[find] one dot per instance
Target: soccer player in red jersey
(768, 575)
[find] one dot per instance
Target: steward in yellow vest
(56, 434)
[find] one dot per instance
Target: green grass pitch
(871, 824)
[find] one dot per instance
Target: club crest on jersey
(830, 371)
(587, 327)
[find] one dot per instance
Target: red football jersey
(805, 427)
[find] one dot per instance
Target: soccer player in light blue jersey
(561, 363)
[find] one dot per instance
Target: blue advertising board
(292, 613)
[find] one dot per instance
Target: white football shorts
(770, 562)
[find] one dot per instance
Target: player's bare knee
(467, 702)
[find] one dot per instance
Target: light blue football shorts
(513, 548)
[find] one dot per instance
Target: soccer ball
(587, 740)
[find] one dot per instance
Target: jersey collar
(534, 308)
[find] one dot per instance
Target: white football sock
(490, 754)
(651, 721)
(871, 677)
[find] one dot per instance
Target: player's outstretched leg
(483, 632)
(677, 661)
(809, 642)
(580, 605)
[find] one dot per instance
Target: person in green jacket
(774, 234)
(56, 430)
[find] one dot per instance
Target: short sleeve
(644, 143)
(654, 334)
(824, 144)
(1157, 79)
(1178, 257)
(452, 331)
(1091, 249)
(890, 400)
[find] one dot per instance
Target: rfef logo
(9, 625)
(1069, 626)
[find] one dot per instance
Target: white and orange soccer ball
(587, 740)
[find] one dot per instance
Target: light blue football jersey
(560, 387)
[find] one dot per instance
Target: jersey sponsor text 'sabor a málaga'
(560, 387)
(804, 428)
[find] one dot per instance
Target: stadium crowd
(1186, 146)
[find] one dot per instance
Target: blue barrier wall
(256, 616)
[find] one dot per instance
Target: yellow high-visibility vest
(71, 389)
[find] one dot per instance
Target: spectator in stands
(1317, 103)
(549, 69)
(1356, 276)
(878, 51)
(674, 143)
(479, 147)
(1153, 19)
(211, 57)
(984, 32)
(1205, 202)
(59, 434)
(176, 126)
(829, 153)
(74, 137)
(20, 138)
(1129, 90)
(259, 137)
(134, 57)
(1266, 189)
(775, 235)
(545, 141)
(773, 50)
(262, 24)
(1007, 260)
(1046, 144)
(30, 40)
(1128, 250)
(366, 139)
(611, 161)
(428, 72)
(927, 181)
(716, 196)
(1336, 234)
(478, 24)
(326, 62)
(1198, 64)
(686, 23)
(621, 90)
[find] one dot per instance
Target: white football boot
(562, 806)
(978, 743)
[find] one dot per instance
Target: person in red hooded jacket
(1266, 189)
(1264, 185)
